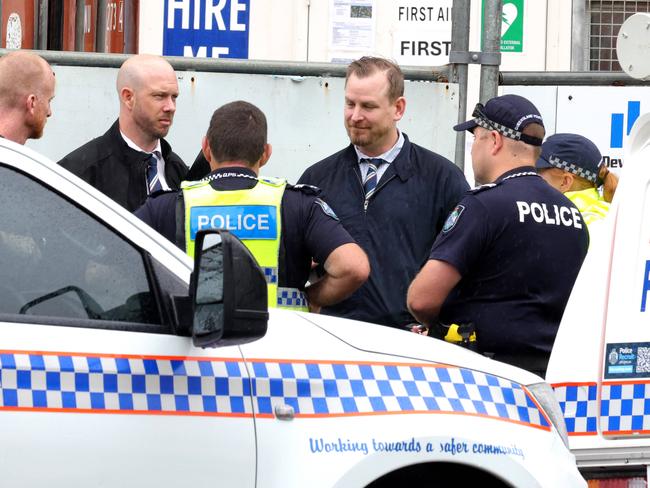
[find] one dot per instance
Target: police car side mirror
(228, 292)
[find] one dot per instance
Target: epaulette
(481, 188)
(326, 208)
(487, 186)
(307, 189)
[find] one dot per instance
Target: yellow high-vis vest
(590, 203)
(254, 216)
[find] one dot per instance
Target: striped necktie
(153, 179)
(370, 182)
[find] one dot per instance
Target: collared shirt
(157, 153)
(389, 156)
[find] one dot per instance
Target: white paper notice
(352, 29)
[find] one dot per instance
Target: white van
(102, 382)
(600, 363)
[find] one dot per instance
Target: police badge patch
(455, 214)
(326, 208)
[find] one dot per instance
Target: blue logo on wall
(206, 28)
(646, 285)
(619, 126)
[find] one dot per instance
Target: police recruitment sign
(206, 28)
(422, 35)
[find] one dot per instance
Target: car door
(96, 385)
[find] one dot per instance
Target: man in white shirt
(132, 160)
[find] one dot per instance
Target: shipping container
(18, 21)
(23, 28)
(121, 26)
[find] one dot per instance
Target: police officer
(285, 227)
(509, 253)
(572, 164)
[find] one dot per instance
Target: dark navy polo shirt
(310, 229)
(518, 245)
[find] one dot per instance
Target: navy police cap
(573, 153)
(508, 115)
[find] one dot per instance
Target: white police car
(102, 382)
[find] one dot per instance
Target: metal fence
(242, 66)
(569, 78)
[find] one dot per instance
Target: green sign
(512, 26)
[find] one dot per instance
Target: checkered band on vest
(270, 274)
(573, 168)
(291, 297)
(502, 129)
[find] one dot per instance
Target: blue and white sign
(206, 28)
(627, 360)
(645, 286)
(245, 221)
(618, 126)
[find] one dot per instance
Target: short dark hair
(237, 132)
(369, 65)
(535, 130)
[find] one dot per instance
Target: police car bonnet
(509, 115)
(573, 153)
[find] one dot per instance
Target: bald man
(26, 90)
(132, 160)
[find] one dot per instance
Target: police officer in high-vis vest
(504, 264)
(573, 164)
(287, 228)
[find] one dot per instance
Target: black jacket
(406, 212)
(111, 166)
(200, 168)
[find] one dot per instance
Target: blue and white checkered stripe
(88, 383)
(291, 297)
(339, 389)
(625, 408)
(287, 297)
(579, 405)
(270, 274)
(79, 383)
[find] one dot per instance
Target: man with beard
(26, 90)
(391, 195)
(132, 160)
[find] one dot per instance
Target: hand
(314, 273)
(418, 329)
